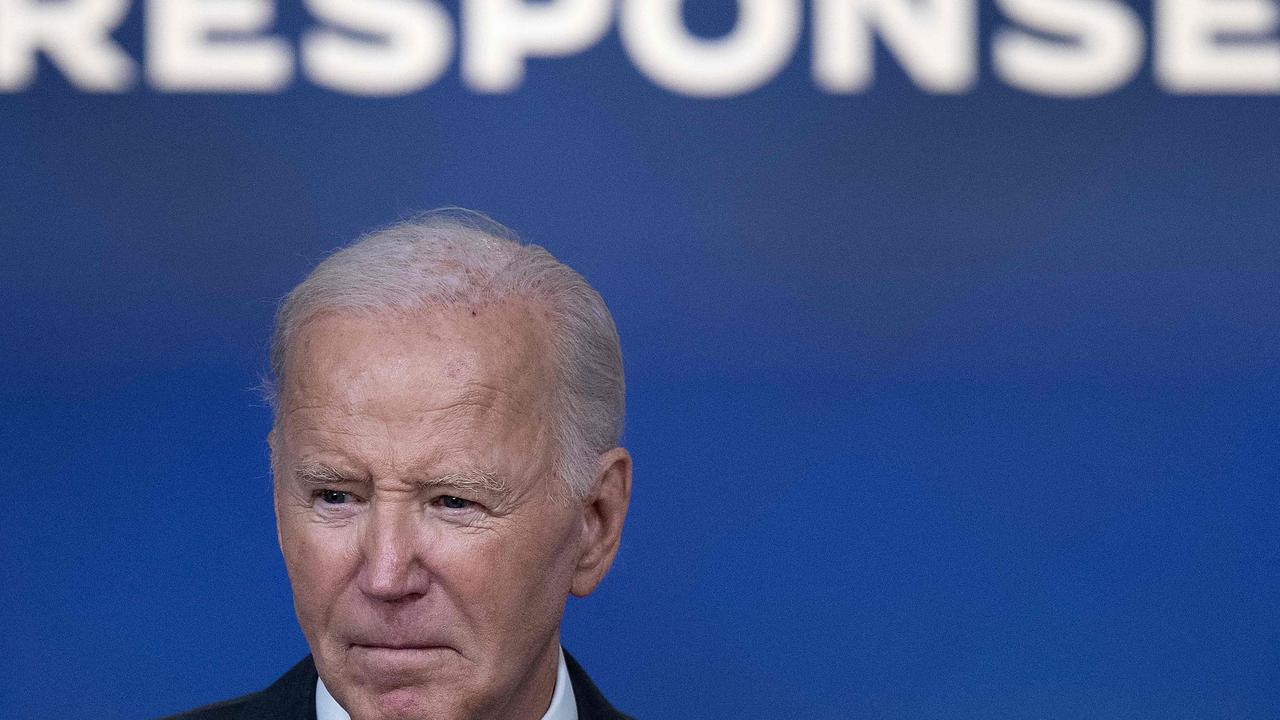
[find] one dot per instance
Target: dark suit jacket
(293, 697)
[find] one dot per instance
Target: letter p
(498, 35)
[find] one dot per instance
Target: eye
(333, 497)
(454, 503)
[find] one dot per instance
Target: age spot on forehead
(460, 366)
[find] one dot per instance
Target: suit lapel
(591, 704)
(292, 697)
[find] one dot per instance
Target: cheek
(320, 562)
(510, 575)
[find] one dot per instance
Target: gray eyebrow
(482, 480)
(313, 473)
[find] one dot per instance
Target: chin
(417, 701)
(406, 704)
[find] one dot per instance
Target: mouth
(399, 647)
(393, 659)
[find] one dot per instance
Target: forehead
(384, 363)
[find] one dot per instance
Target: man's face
(429, 544)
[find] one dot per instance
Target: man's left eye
(333, 497)
(454, 503)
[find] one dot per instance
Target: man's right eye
(333, 497)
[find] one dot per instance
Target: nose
(391, 567)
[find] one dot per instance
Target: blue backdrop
(956, 406)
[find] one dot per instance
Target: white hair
(451, 257)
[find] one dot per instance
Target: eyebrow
(481, 480)
(475, 480)
(321, 474)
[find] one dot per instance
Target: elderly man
(447, 471)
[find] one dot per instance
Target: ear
(603, 514)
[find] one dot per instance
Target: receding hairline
(530, 318)
(503, 251)
(453, 258)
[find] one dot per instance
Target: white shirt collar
(563, 705)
